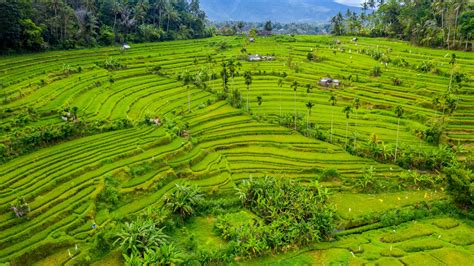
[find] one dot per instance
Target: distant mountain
(284, 11)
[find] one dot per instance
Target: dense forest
(36, 25)
(434, 23)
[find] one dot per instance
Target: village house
(329, 82)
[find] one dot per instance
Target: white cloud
(356, 3)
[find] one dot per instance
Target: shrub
(329, 174)
(291, 214)
(184, 200)
(369, 182)
(109, 196)
(376, 71)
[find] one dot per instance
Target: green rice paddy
(61, 182)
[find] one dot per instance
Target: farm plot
(203, 140)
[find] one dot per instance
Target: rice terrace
(246, 148)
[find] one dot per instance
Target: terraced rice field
(226, 145)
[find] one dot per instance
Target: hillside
(98, 142)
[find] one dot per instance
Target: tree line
(434, 23)
(65, 24)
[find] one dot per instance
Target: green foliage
(291, 214)
(446, 25)
(235, 99)
(113, 64)
(413, 178)
(20, 208)
(140, 235)
(329, 174)
(417, 212)
(376, 71)
(35, 26)
(28, 139)
(460, 185)
(109, 196)
(184, 200)
(369, 182)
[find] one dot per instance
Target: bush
(291, 214)
(376, 71)
(109, 197)
(329, 174)
(369, 182)
(460, 186)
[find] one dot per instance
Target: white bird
(76, 247)
(69, 252)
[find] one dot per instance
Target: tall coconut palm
(347, 110)
(295, 88)
(310, 106)
(356, 106)
(225, 76)
(259, 101)
(248, 82)
(117, 8)
(280, 84)
(332, 101)
(399, 113)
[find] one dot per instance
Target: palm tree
(117, 9)
(280, 84)
(166, 254)
(140, 235)
(436, 102)
(347, 110)
(399, 113)
(183, 200)
(259, 101)
(309, 105)
(356, 105)
(224, 76)
(295, 88)
(231, 66)
(248, 82)
(452, 62)
(332, 101)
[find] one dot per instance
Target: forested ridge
(434, 23)
(65, 24)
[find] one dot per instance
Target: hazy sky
(356, 3)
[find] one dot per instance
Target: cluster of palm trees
(89, 22)
(144, 242)
(448, 23)
(289, 214)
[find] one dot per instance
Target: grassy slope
(61, 182)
